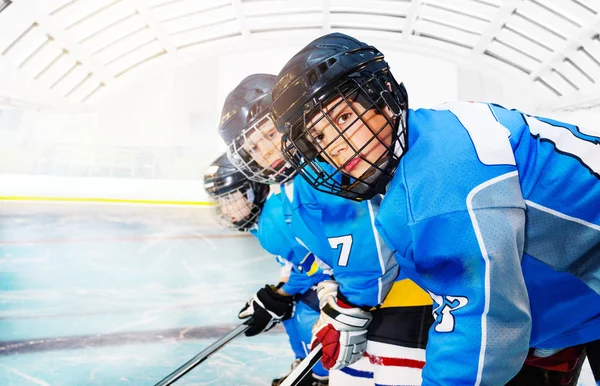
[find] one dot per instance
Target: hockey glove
(267, 308)
(341, 329)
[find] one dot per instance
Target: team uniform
(342, 234)
(274, 236)
(497, 215)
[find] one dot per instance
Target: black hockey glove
(267, 308)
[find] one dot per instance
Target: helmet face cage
(360, 96)
(237, 209)
(256, 152)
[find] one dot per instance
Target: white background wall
(179, 107)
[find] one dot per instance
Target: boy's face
(235, 206)
(350, 137)
(264, 145)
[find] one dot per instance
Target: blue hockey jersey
(276, 238)
(341, 233)
(497, 214)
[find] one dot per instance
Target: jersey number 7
(346, 243)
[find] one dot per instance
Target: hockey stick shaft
(201, 357)
(302, 370)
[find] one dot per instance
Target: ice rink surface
(105, 294)
(123, 295)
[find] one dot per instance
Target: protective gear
(267, 308)
(341, 328)
(238, 201)
(331, 73)
(253, 143)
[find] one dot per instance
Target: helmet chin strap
(367, 180)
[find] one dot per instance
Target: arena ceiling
(76, 50)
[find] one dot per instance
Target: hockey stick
(201, 357)
(304, 367)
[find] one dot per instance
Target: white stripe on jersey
(567, 142)
(381, 263)
(489, 137)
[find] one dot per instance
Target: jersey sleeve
(299, 282)
(469, 261)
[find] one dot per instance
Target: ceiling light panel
(198, 19)
(25, 45)
(591, 5)
(73, 13)
(551, 19)
(274, 21)
(471, 8)
(120, 30)
(142, 54)
(83, 89)
(392, 8)
(453, 19)
(101, 21)
(187, 8)
(436, 42)
(161, 3)
(206, 33)
(504, 63)
(524, 43)
(13, 30)
(281, 7)
(535, 31)
(590, 52)
(448, 33)
(558, 82)
(514, 55)
(42, 58)
(540, 83)
(93, 93)
(73, 76)
(368, 20)
(125, 45)
(587, 62)
(578, 12)
(56, 69)
(574, 74)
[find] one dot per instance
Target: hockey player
(243, 205)
(359, 307)
(496, 213)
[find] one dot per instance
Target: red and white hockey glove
(341, 328)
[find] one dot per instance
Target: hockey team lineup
(299, 193)
(440, 246)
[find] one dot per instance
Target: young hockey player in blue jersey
(496, 213)
(341, 233)
(243, 205)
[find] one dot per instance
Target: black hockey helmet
(339, 68)
(253, 143)
(238, 201)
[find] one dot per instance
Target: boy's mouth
(277, 164)
(352, 164)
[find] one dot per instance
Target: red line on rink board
(126, 239)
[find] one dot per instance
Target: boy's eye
(317, 137)
(343, 118)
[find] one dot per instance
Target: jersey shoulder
(273, 233)
(452, 150)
